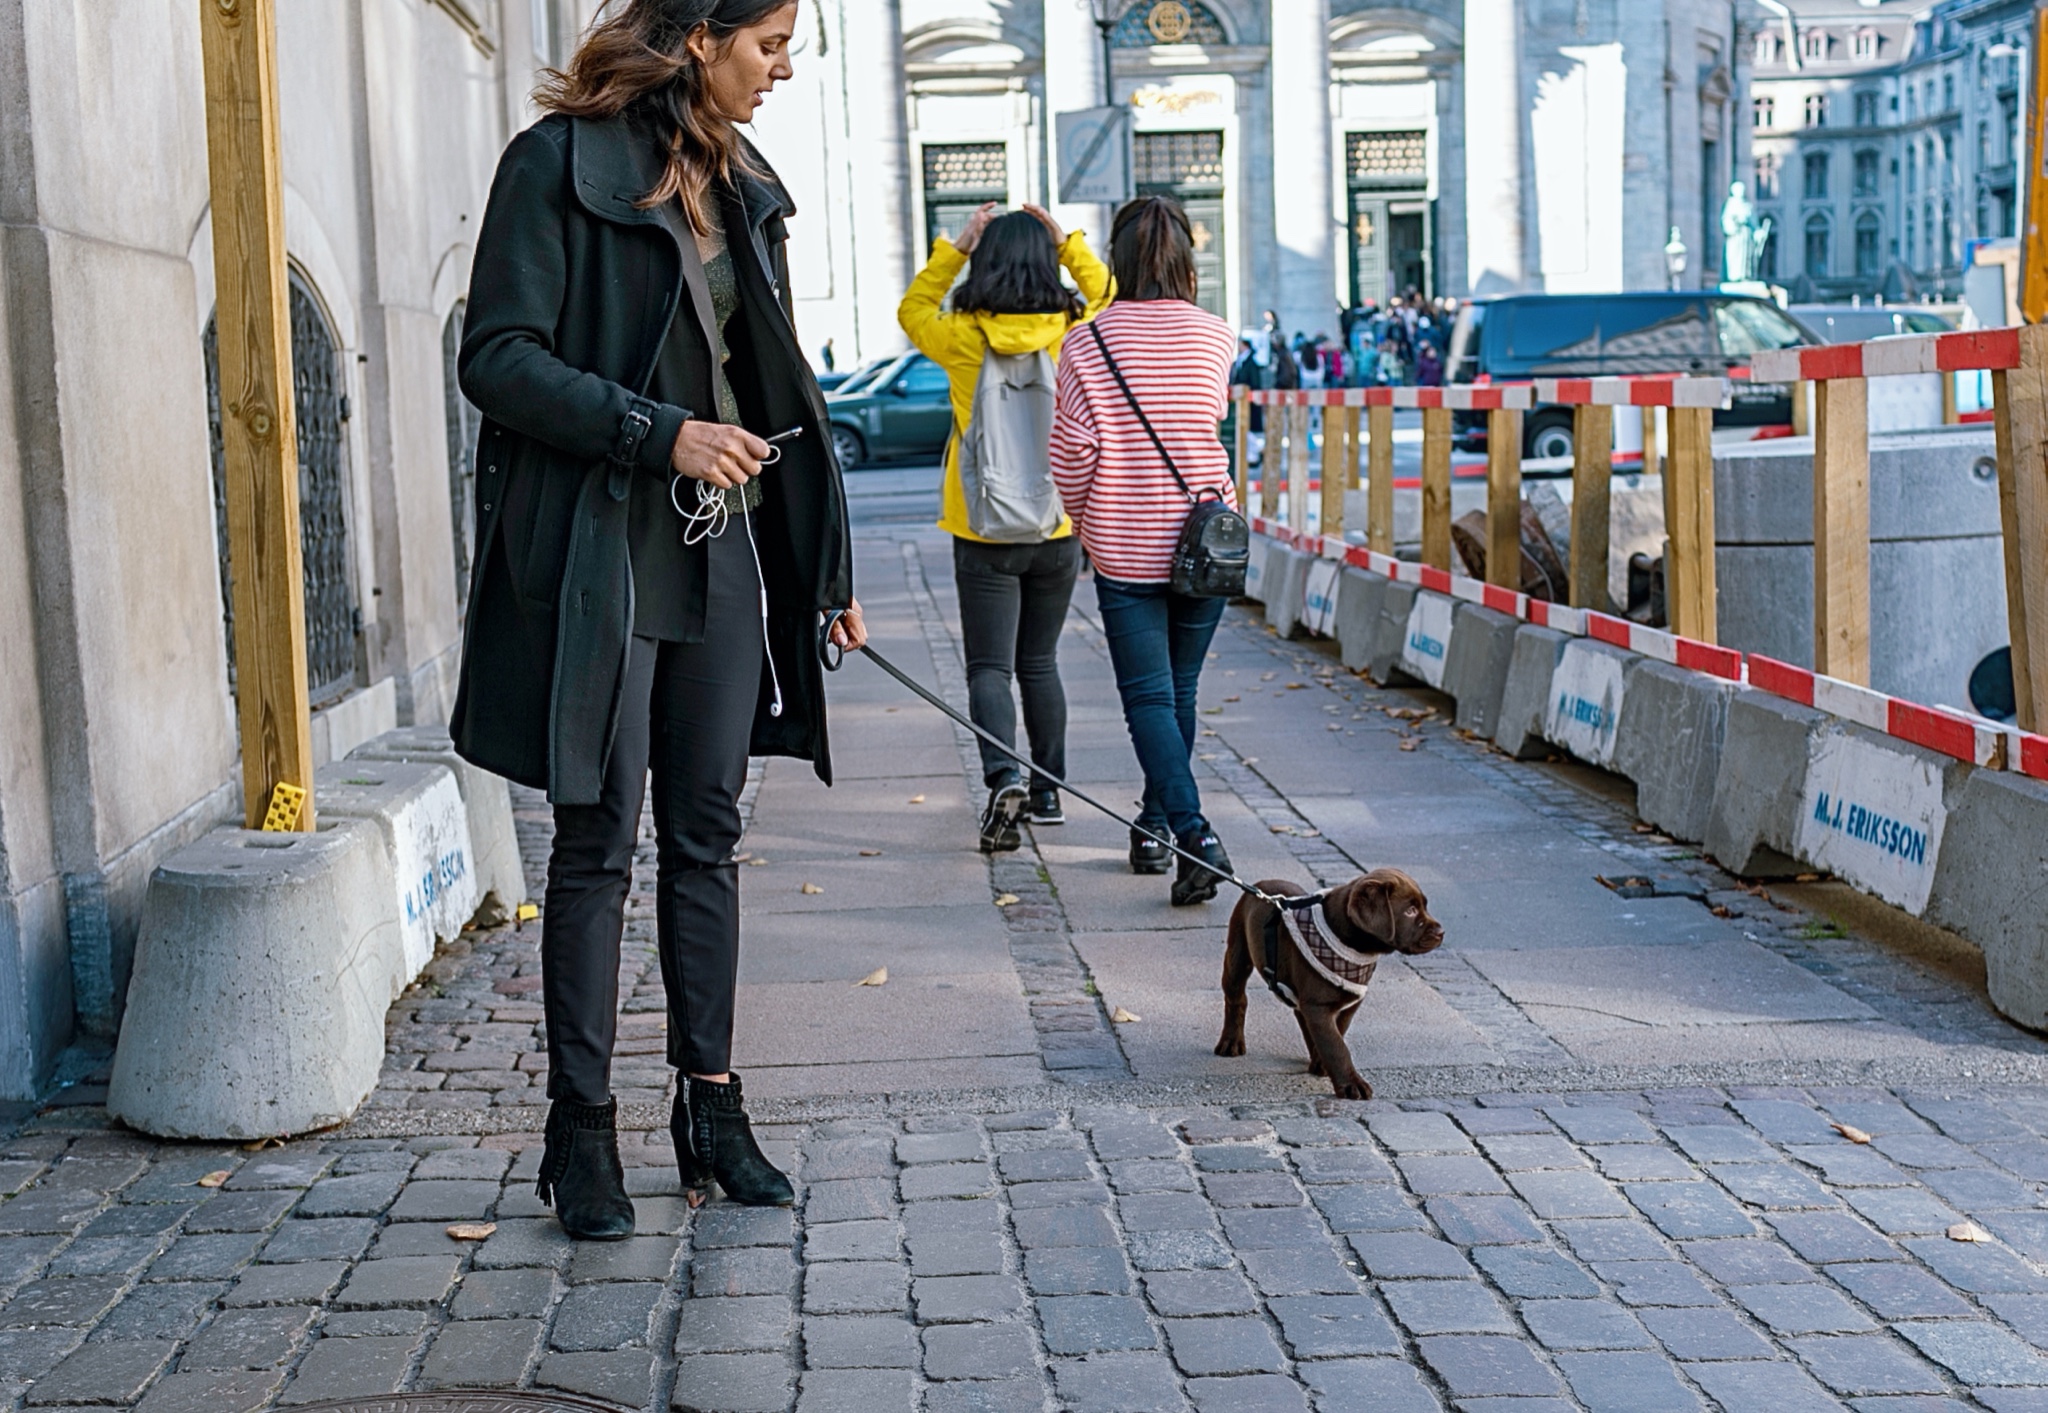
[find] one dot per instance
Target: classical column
(1304, 225)
(878, 155)
(1494, 115)
(1073, 80)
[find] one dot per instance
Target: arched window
(463, 423)
(1150, 22)
(1817, 241)
(1867, 237)
(1767, 258)
(321, 404)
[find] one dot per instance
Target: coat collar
(613, 167)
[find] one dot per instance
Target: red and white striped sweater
(1122, 499)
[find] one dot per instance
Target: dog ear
(1370, 907)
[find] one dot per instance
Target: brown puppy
(1375, 913)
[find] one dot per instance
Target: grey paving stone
(1118, 1142)
(1800, 1309)
(1978, 1190)
(1349, 1165)
(325, 1239)
(1117, 1383)
(1253, 1190)
(1628, 1382)
(212, 1391)
(1899, 1291)
(979, 1352)
(961, 1146)
(1236, 1158)
(1230, 1344)
(1446, 1307)
(417, 1239)
(230, 1211)
(1247, 1393)
(873, 1156)
(1015, 1395)
(1093, 1324)
(1368, 1386)
(1478, 1366)
(951, 1253)
(1902, 1211)
(303, 1283)
(965, 1299)
(733, 1383)
(1588, 1124)
(853, 1390)
(638, 1258)
(1029, 1196)
(480, 1164)
(1720, 1143)
(447, 1201)
(1570, 1193)
(1715, 1333)
(1977, 1267)
(351, 1368)
(1610, 1239)
(1398, 1255)
(851, 1241)
(113, 1255)
(480, 1354)
(1999, 1400)
(2025, 1232)
(1150, 1175)
(1525, 1152)
(1186, 1293)
(206, 1257)
(110, 1372)
(1866, 1365)
(499, 1295)
(1418, 1133)
(1777, 1187)
(26, 1355)
(860, 1342)
(1785, 1120)
(743, 1270)
(1684, 1210)
(1976, 1351)
(849, 1200)
(1045, 1165)
(365, 1324)
(733, 1325)
(280, 1168)
(1181, 1251)
(1356, 1209)
(400, 1280)
(1334, 1326)
(1655, 1283)
(1583, 1324)
(1076, 1270)
(623, 1376)
(1270, 1228)
(936, 1180)
(854, 1288)
(1641, 1162)
(723, 1226)
(1527, 1273)
(159, 1310)
(1165, 1211)
(1484, 1221)
(136, 1219)
(1925, 1150)
(358, 1195)
(1428, 1175)
(1827, 1237)
(1506, 1118)
(526, 1241)
(1740, 1261)
(1845, 1165)
(1302, 1272)
(612, 1315)
(248, 1339)
(1063, 1226)
(1780, 1387)
(2026, 1314)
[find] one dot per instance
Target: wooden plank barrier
(1436, 487)
(1379, 485)
(1504, 497)
(259, 432)
(1336, 451)
(1297, 466)
(1592, 487)
(1841, 530)
(1241, 400)
(1689, 524)
(1653, 449)
(2020, 416)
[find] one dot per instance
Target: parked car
(852, 378)
(1515, 337)
(1853, 323)
(902, 410)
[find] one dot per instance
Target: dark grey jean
(1013, 605)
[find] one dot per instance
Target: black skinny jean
(688, 711)
(1013, 606)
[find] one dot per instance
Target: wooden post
(1379, 485)
(1241, 399)
(1841, 530)
(2020, 410)
(1802, 421)
(1297, 468)
(1653, 457)
(1504, 497)
(1436, 487)
(1592, 484)
(1336, 452)
(259, 434)
(1689, 524)
(1950, 414)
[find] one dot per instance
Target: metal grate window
(464, 422)
(1177, 161)
(1150, 22)
(967, 169)
(1386, 156)
(322, 409)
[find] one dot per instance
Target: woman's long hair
(1015, 269)
(1152, 250)
(635, 62)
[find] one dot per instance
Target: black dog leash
(832, 655)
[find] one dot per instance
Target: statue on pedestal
(1742, 237)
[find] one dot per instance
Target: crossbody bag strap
(1143, 420)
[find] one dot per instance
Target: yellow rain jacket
(957, 341)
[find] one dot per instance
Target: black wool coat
(572, 295)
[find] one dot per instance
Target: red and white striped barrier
(1634, 392)
(1461, 397)
(1952, 734)
(1976, 350)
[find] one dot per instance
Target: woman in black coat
(652, 572)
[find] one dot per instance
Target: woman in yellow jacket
(1013, 597)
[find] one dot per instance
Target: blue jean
(1158, 641)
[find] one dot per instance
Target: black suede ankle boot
(721, 1142)
(580, 1173)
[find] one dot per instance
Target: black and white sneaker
(1193, 883)
(1148, 855)
(1006, 805)
(1045, 807)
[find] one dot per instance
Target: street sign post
(1094, 154)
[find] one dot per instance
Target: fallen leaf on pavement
(1851, 1132)
(262, 1143)
(1120, 1016)
(1296, 686)
(1807, 878)
(741, 858)
(870, 853)
(917, 799)
(878, 977)
(1968, 1231)
(1410, 744)
(756, 861)
(812, 888)
(213, 1179)
(471, 1231)
(1231, 699)
(1003, 900)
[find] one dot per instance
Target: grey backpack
(1005, 450)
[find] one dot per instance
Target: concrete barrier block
(1587, 694)
(1255, 568)
(1873, 811)
(1319, 597)
(1765, 748)
(262, 973)
(1427, 641)
(418, 811)
(1991, 885)
(486, 798)
(1390, 637)
(1525, 700)
(1476, 668)
(1669, 743)
(1358, 615)
(1286, 586)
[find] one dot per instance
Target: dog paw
(1354, 1088)
(1315, 1068)
(1230, 1047)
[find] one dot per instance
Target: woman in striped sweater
(1129, 511)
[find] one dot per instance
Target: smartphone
(774, 448)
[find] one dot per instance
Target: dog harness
(1337, 964)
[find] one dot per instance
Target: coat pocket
(539, 516)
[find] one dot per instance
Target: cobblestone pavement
(1732, 1179)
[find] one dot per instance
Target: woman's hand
(1059, 237)
(712, 451)
(970, 234)
(848, 631)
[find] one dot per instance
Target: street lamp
(1106, 13)
(1674, 256)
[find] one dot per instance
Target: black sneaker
(1148, 855)
(999, 821)
(1045, 807)
(1195, 884)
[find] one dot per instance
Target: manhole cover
(458, 1401)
